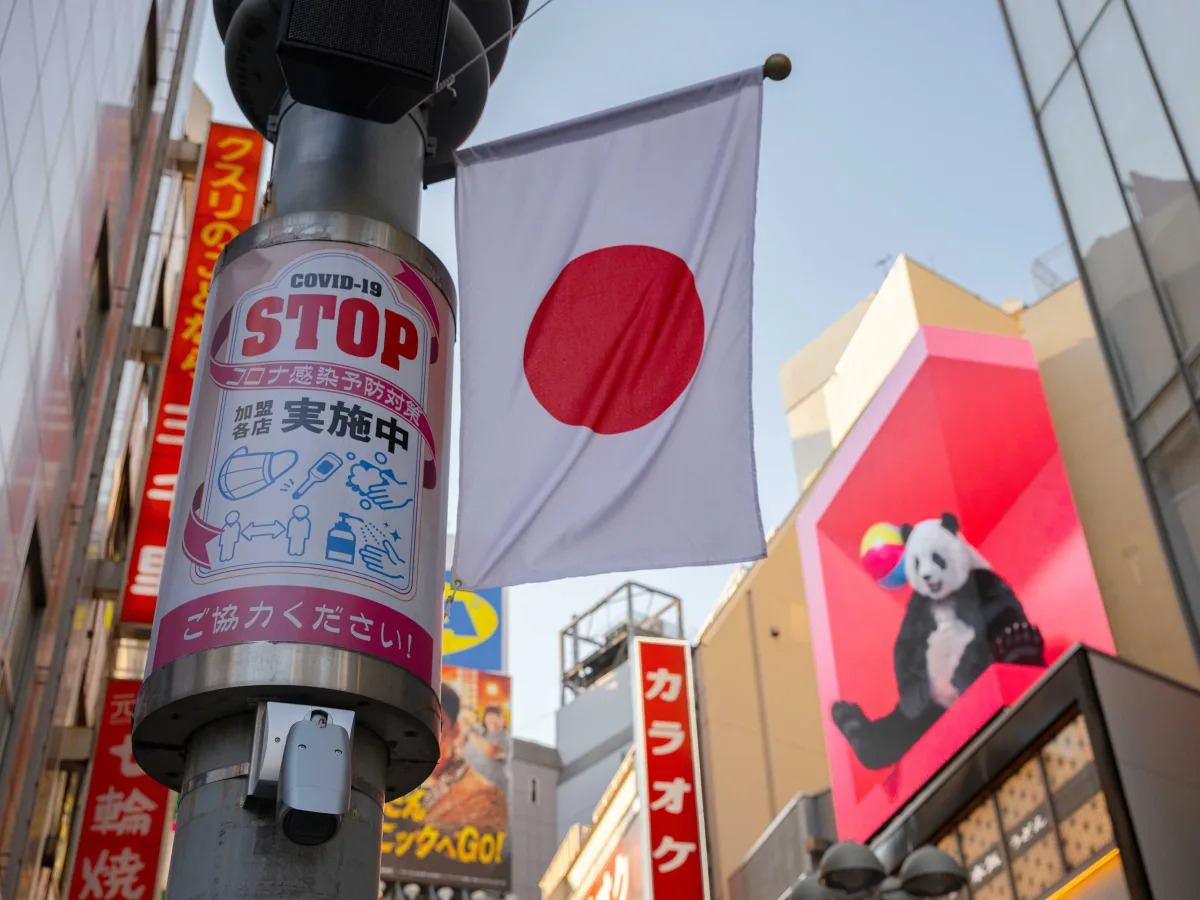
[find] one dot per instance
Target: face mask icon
(244, 474)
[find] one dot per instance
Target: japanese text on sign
(125, 815)
(453, 829)
(224, 208)
(669, 777)
(310, 460)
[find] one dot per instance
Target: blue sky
(903, 129)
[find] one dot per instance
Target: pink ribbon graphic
(409, 278)
(197, 533)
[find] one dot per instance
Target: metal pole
(228, 844)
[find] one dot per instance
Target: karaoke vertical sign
(225, 198)
(667, 753)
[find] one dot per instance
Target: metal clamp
(221, 773)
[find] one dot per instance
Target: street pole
(294, 672)
(227, 843)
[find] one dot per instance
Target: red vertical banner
(668, 768)
(225, 196)
(126, 811)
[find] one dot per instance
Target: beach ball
(882, 554)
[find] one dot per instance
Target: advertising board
(474, 632)
(125, 815)
(668, 770)
(945, 566)
(453, 829)
(620, 878)
(225, 196)
(311, 512)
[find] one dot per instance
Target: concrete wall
(534, 815)
(760, 723)
(1139, 595)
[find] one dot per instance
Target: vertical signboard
(125, 815)
(453, 829)
(225, 196)
(474, 636)
(668, 768)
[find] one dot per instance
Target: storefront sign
(225, 200)
(125, 815)
(474, 632)
(1046, 824)
(453, 829)
(668, 766)
(945, 568)
(621, 876)
(311, 469)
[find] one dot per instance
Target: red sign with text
(126, 812)
(669, 771)
(621, 877)
(228, 185)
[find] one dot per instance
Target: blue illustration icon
(231, 534)
(252, 530)
(299, 530)
(244, 474)
(384, 560)
(341, 543)
(377, 486)
(318, 472)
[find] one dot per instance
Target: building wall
(534, 812)
(84, 133)
(593, 733)
(761, 739)
(1111, 87)
(1139, 596)
(827, 385)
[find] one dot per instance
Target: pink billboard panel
(945, 567)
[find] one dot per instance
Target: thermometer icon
(318, 472)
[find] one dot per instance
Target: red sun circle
(616, 339)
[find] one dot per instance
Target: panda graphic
(960, 619)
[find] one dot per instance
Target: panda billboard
(945, 567)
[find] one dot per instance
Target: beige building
(759, 719)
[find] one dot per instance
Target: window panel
(1080, 16)
(1153, 175)
(1169, 29)
(23, 633)
(1175, 473)
(1163, 414)
(1119, 283)
(1042, 43)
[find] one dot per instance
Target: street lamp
(850, 868)
(850, 871)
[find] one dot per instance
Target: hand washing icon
(244, 474)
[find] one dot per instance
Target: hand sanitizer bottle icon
(340, 543)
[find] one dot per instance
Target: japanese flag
(605, 274)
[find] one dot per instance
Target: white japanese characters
(669, 778)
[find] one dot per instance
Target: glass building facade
(1112, 85)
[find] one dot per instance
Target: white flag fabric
(605, 270)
